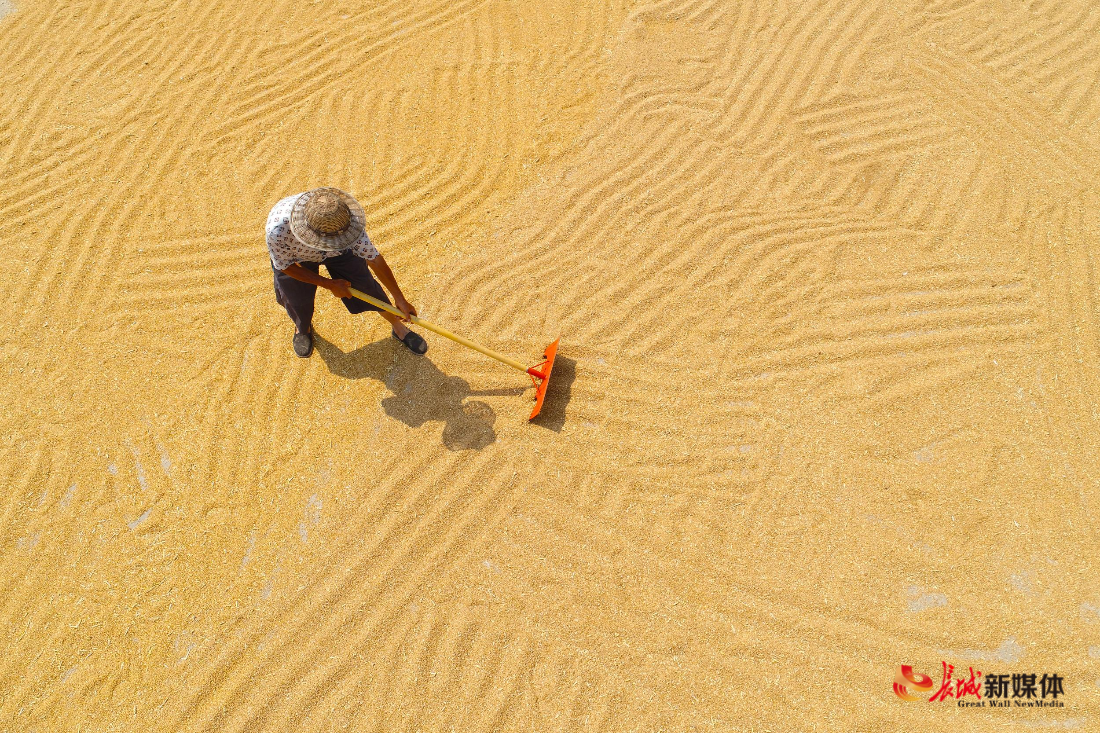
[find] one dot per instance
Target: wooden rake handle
(440, 330)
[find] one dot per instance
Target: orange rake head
(542, 372)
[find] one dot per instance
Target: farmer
(327, 225)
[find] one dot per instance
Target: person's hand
(405, 307)
(340, 288)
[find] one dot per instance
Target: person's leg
(398, 326)
(354, 269)
(297, 297)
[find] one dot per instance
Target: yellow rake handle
(440, 330)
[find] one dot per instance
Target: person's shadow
(421, 392)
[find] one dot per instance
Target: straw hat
(327, 219)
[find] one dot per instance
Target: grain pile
(827, 400)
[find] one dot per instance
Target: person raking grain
(327, 225)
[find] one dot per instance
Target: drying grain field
(828, 398)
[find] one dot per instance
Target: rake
(539, 373)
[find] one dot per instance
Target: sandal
(413, 342)
(303, 344)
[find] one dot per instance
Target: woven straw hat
(327, 219)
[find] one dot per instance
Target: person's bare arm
(339, 288)
(385, 275)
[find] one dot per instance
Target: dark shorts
(297, 296)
